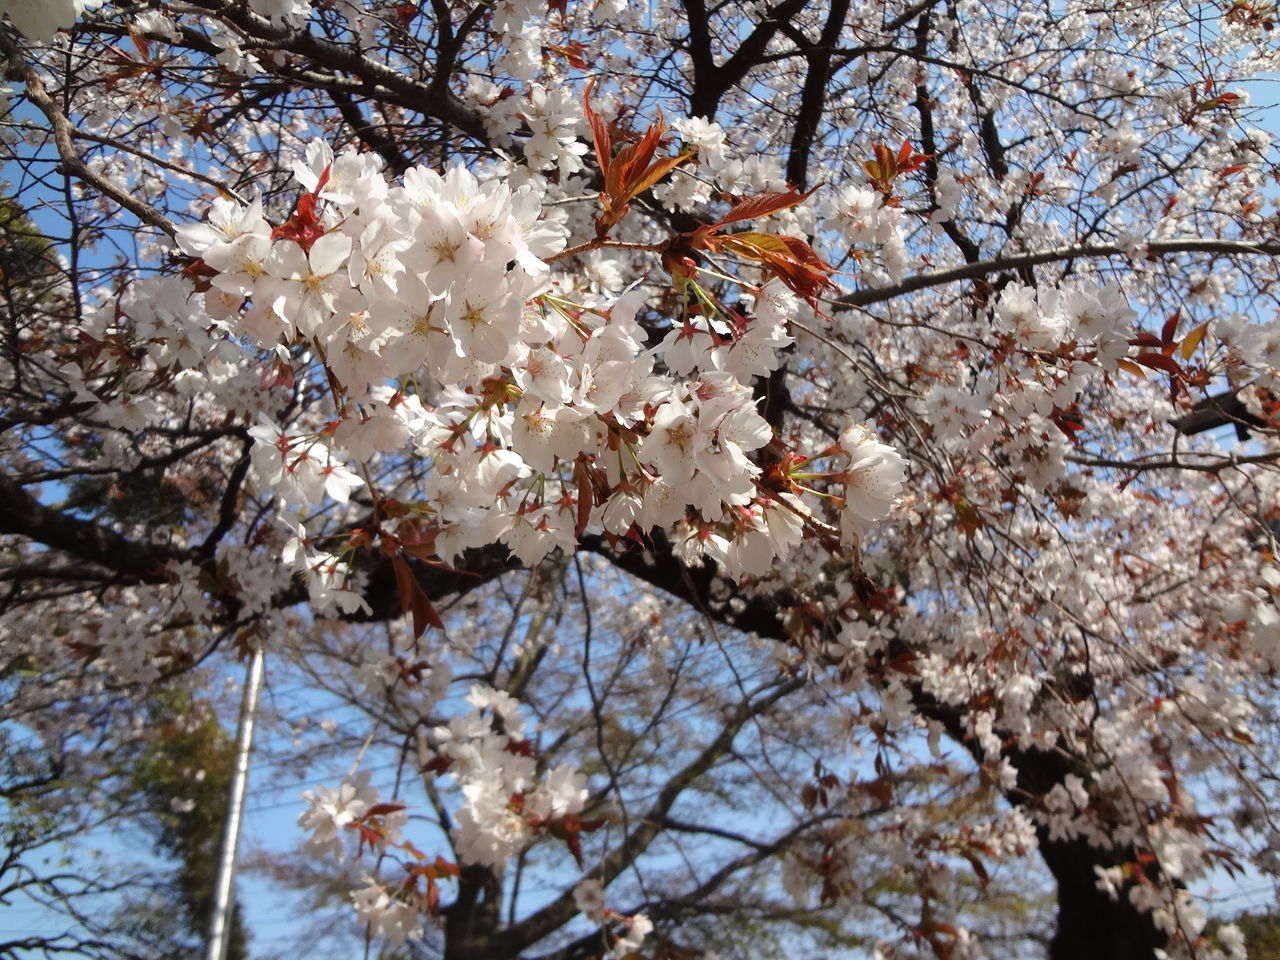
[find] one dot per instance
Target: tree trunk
(472, 920)
(1091, 925)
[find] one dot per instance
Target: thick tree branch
(391, 86)
(557, 913)
(982, 268)
(813, 96)
(929, 145)
(23, 515)
(711, 82)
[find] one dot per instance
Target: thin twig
(63, 133)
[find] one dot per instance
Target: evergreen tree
(182, 775)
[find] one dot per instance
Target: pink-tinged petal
(329, 254)
(288, 261)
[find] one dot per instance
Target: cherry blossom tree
(885, 348)
(637, 697)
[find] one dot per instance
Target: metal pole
(220, 917)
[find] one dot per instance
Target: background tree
(183, 775)
(1261, 934)
(709, 877)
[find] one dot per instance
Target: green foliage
(1261, 933)
(25, 253)
(182, 775)
(142, 496)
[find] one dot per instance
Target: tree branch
(981, 268)
(557, 913)
(62, 138)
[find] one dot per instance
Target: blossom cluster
(41, 19)
(504, 802)
(1256, 610)
(331, 811)
(627, 933)
(541, 418)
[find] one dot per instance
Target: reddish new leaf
(1158, 361)
(570, 828)
(908, 160)
(905, 663)
(519, 748)
(789, 259)
(751, 244)
(655, 171)
(447, 868)
(979, 870)
(633, 171)
(413, 598)
(1068, 420)
(437, 765)
(382, 809)
(1146, 339)
(1130, 367)
(368, 837)
(631, 162)
(809, 796)
(764, 205)
(1192, 340)
(586, 499)
(968, 517)
(572, 52)
(885, 165)
(881, 789)
(303, 227)
(599, 131)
